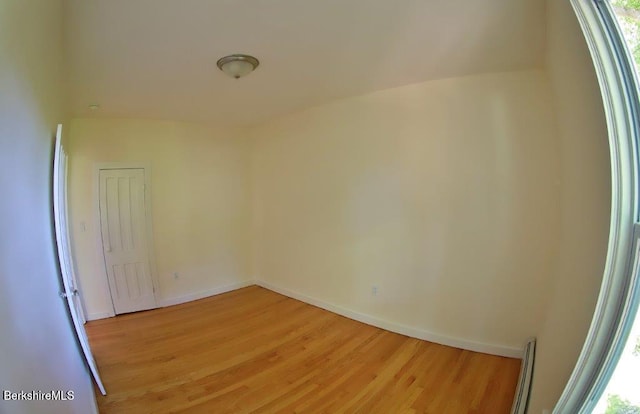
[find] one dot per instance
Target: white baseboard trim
(163, 303)
(99, 315)
(418, 333)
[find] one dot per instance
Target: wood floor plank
(255, 351)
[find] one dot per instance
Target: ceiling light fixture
(238, 65)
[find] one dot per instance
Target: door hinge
(63, 295)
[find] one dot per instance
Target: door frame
(97, 167)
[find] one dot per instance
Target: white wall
(38, 349)
(444, 194)
(199, 195)
(586, 199)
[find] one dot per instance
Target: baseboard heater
(521, 399)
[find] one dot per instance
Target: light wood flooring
(255, 351)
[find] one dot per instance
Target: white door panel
(65, 226)
(71, 293)
(123, 221)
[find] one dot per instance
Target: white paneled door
(124, 239)
(70, 292)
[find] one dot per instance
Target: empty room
(413, 206)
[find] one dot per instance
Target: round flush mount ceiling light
(238, 65)
(94, 107)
